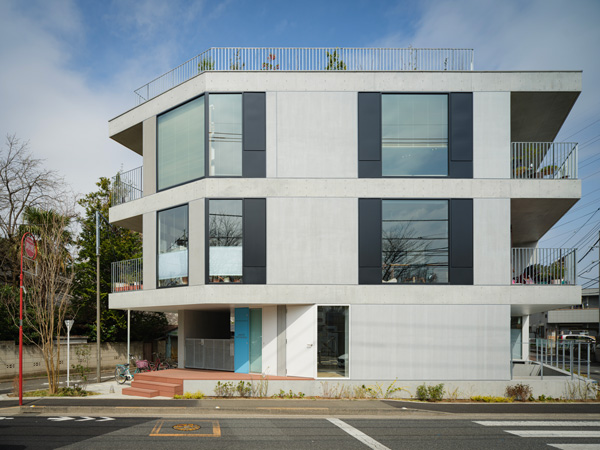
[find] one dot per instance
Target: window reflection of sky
(414, 135)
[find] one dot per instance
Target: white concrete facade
(312, 192)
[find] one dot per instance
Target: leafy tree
(116, 244)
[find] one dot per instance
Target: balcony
(309, 60)
(544, 160)
(544, 266)
(127, 275)
(127, 186)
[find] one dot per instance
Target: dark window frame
(448, 160)
(207, 240)
(158, 246)
(206, 140)
(449, 219)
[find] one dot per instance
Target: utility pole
(98, 370)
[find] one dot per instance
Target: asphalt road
(93, 432)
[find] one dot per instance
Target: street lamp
(69, 324)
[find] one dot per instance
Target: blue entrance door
(241, 355)
(256, 340)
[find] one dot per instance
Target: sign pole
(98, 349)
(69, 324)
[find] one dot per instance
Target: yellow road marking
(216, 430)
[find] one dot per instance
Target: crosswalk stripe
(357, 434)
(537, 423)
(555, 433)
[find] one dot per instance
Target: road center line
(555, 433)
(537, 423)
(357, 434)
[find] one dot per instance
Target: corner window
(180, 144)
(414, 245)
(225, 234)
(173, 247)
(225, 134)
(332, 337)
(414, 134)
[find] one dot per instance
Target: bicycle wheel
(121, 375)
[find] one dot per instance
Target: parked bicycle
(159, 364)
(123, 374)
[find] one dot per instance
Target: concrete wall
(33, 360)
(491, 243)
(149, 249)
(269, 339)
(430, 342)
(312, 241)
(491, 135)
(316, 134)
(196, 243)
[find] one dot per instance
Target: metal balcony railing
(127, 275)
(556, 266)
(126, 186)
(309, 59)
(549, 160)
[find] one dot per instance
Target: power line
(590, 218)
(584, 128)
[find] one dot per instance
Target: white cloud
(52, 106)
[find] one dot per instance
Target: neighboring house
(583, 318)
(375, 222)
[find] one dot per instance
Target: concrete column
(149, 247)
(149, 149)
(525, 337)
(181, 339)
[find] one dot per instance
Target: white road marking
(359, 435)
(84, 419)
(60, 419)
(575, 446)
(6, 418)
(555, 433)
(536, 423)
(104, 419)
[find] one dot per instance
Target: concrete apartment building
(375, 222)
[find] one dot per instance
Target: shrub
(430, 393)
(520, 392)
(224, 389)
(243, 389)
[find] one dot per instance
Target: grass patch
(198, 395)
(491, 399)
(62, 392)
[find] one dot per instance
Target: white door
(300, 334)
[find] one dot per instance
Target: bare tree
(24, 183)
(49, 285)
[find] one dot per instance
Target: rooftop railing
(549, 160)
(127, 186)
(311, 60)
(557, 266)
(127, 275)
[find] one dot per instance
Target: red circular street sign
(30, 247)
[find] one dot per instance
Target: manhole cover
(186, 427)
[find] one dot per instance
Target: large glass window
(225, 241)
(180, 145)
(173, 247)
(332, 338)
(414, 241)
(414, 135)
(225, 134)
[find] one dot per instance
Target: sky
(70, 66)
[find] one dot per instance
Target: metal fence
(127, 186)
(568, 355)
(127, 275)
(549, 160)
(214, 354)
(309, 59)
(557, 266)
